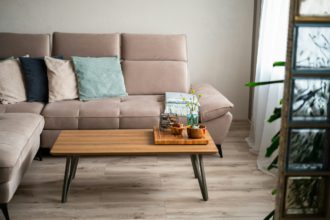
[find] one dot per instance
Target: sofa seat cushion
(62, 115)
(75, 114)
(141, 106)
(141, 111)
(2, 108)
(136, 111)
(99, 114)
(23, 107)
(212, 103)
(18, 133)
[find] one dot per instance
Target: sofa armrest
(212, 103)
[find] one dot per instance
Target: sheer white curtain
(271, 48)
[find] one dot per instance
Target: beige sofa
(152, 65)
(19, 143)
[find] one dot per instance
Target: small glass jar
(192, 119)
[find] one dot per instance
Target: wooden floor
(149, 187)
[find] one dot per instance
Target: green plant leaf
(254, 84)
(276, 115)
(278, 63)
(274, 192)
(273, 164)
(270, 215)
(274, 146)
(276, 135)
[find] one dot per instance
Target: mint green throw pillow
(99, 77)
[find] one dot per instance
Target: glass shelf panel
(305, 195)
(310, 99)
(312, 52)
(308, 150)
(317, 8)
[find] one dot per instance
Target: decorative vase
(192, 119)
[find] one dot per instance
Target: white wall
(219, 31)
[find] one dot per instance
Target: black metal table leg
(197, 161)
(70, 171)
(203, 179)
(220, 150)
(38, 155)
(66, 179)
(193, 165)
(75, 167)
(4, 209)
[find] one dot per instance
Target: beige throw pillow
(12, 88)
(62, 83)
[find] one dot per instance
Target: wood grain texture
(284, 174)
(312, 19)
(149, 187)
(165, 137)
(120, 142)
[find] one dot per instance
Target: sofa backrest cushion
(13, 44)
(86, 45)
(146, 47)
(154, 64)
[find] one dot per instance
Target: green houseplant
(192, 106)
(303, 194)
(275, 141)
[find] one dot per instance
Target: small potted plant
(192, 106)
(194, 130)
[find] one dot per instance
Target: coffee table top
(121, 142)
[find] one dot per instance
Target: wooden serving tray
(165, 137)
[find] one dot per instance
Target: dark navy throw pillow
(35, 76)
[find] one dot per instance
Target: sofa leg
(220, 150)
(39, 155)
(4, 209)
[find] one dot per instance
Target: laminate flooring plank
(149, 187)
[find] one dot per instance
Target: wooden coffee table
(77, 143)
